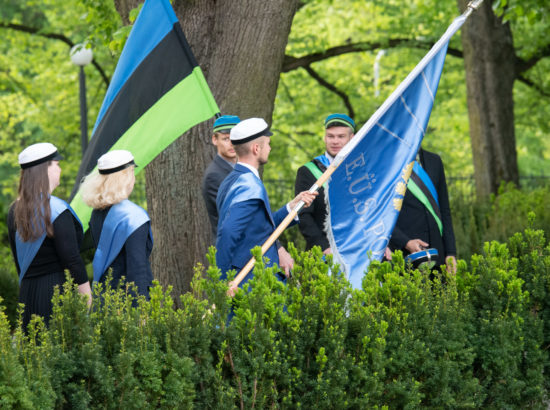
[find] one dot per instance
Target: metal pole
(83, 111)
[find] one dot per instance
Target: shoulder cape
(122, 220)
(247, 186)
(26, 251)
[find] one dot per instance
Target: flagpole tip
(474, 4)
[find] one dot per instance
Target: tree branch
(524, 65)
(296, 142)
(331, 88)
(292, 63)
(54, 36)
(531, 84)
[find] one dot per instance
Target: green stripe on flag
(184, 106)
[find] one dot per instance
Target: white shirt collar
(250, 167)
(330, 157)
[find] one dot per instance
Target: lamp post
(81, 56)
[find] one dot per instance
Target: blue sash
(247, 186)
(121, 221)
(323, 160)
(26, 251)
(426, 179)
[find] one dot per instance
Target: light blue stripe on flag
(366, 190)
(153, 23)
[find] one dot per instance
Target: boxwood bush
(475, 340)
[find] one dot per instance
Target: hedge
(477, 340)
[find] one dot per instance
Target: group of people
(241, 216)
(45, 234)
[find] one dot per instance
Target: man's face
(224, 146)
(336, 138)
(265, 149)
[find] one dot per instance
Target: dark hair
(32, 207)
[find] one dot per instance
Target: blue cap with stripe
(339, 120)
(225, 123)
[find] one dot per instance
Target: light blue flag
(366, 191)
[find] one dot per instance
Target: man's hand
(387, 254)
(305, 196)
(232, 290)
(327, 251)
(450, 261)
(285, 261)
(416, 245)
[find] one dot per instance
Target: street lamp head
(81, 55)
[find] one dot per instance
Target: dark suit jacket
(312, 218)
(247, 224)
(213, 177)
(416, 222)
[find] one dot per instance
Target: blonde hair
(102, 190)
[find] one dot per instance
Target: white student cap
(249, 129)
(36, 154)
(115, 161)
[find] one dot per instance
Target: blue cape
(121, 221)
(26, 251)
(246, 187)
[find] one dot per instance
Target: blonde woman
(44, 233)
(121, 230)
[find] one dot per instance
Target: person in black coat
(222, 164)
(416, 227)
(44, 234)
(339, 129)
(120, 229)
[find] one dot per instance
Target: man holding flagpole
(425, 218)
(245, 217)
(339, 129)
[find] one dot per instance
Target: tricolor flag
(366, 191)
(157, 93)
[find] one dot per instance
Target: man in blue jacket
(245, 217)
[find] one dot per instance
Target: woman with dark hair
(44, 233)
(121, 230)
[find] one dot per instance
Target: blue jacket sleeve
(280, 215)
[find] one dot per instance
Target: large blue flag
(366, 191)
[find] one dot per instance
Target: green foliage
(497, 218)
(402, 341)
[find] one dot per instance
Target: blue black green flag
(157, 93)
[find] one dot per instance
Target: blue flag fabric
(366, 191)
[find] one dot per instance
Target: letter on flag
(157, 93)
(366, 191)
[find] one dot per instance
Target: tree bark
(489, 62)
(240, 47)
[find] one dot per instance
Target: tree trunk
(240, 47)
(489, 62)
